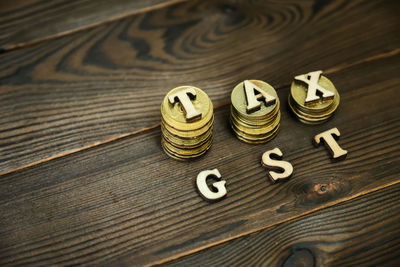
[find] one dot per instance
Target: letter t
(191, 113)
(328, 136)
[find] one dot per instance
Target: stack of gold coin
(187, 122)
(255, 113)
(313, 98)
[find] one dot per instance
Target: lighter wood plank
(127, 202)
(360, 232)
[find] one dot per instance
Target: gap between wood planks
(327, 205)
(115, 138)
(89, 26)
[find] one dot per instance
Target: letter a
(285, 168)
(311, 79)
(202, 186)
(191, 113)
(252, 100)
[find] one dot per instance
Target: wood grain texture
(25, 22)
(127, 203)
(88, 88)
(364, 231)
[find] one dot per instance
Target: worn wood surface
(24, 22)
(119, 200)
(127, 202)
(348, 234)
(98, 85)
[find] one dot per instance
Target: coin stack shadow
(316, 112)
(186, 140)
(256, 127)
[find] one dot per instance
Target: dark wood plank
(361, 232)
(25, 22)
(127, 202)
(95, 86)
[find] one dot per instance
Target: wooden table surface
(84, 180)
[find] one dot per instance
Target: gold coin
(314, 117)
(261, 141)
(179, 157)
(257, 130)
(187, 122)
(192, 133)
(186, 150)
(298, 92)
(252, 135)
(185, 154)
(331, 108)
(258, 122)
(251, 139)
(311, 120)
(174, 115)
(186, 143)
(239, 102)
(328, 112)
(316, 112)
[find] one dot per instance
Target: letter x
(311, 79)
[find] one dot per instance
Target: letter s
(272, 164)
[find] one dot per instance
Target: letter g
(205, 191)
